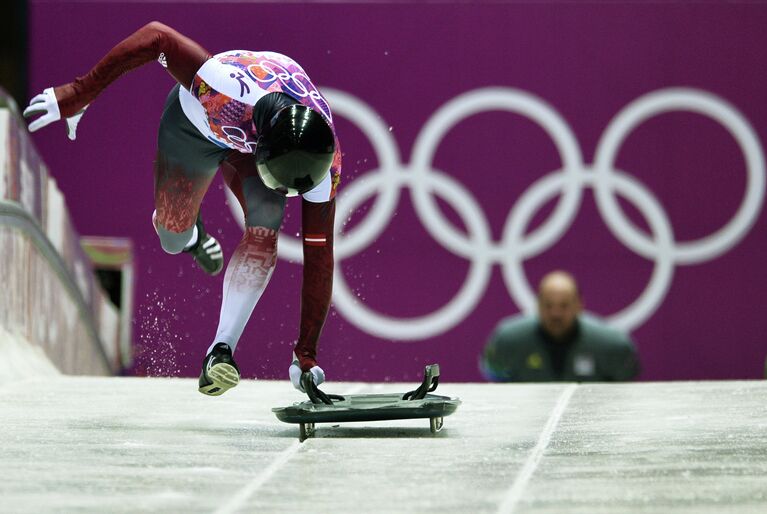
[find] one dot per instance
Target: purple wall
(405, 61)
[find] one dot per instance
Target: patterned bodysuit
(217, 96)
(227, 86)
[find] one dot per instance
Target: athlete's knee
(175, 243)
(263, 207)
(173, 246)
(172, 242)
(268, 216)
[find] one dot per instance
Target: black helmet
(295, 150)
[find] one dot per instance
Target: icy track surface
(78, 444)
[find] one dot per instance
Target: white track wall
(50, 298)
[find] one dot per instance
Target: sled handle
(429, 384)
(314, 393)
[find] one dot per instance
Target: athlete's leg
(185, 166)
(254, 260)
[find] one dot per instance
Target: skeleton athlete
(258, 117)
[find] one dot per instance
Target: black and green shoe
(219, 371)
(207, 251)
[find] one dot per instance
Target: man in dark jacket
(560, 344)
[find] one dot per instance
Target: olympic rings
(703, 103)
(515, 246)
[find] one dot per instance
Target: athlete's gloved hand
(47, 105)
(295, 375)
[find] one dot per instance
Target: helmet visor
(294, 173)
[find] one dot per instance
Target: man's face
(558, 309)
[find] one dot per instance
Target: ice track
(79, 444)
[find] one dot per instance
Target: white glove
(47, 105)
(295, 375)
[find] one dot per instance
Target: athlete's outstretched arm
(182, 57)
(317, 287)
